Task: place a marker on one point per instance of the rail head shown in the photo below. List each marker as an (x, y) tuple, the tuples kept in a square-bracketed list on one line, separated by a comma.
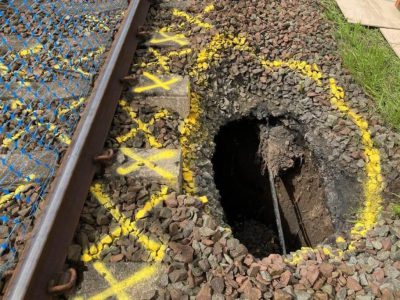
[(45, 253)]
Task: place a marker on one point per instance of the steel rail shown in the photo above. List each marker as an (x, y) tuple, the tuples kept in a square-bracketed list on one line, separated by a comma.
[(45, 253)]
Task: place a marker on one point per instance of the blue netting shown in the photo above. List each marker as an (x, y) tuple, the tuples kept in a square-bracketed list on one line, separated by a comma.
[(50, 53)]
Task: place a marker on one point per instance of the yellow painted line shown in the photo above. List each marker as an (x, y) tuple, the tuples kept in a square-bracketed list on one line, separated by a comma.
[(19, 189), (32, 50), (101, 269), (62, 137), (163, 60), (4, 70), (128, 109), (209, 8), (141, 275), (311, 71), (189, 128), (158, 83), (155, 249), (75, 104), (141, 126), (100, 23), (166, 154), (154, 201), (192, 20), (179, 39), (299, 255), (15, 103), (148, 162), (373, 184)]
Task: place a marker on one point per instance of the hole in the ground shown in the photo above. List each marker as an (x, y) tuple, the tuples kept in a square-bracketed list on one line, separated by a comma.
[(244, 149)]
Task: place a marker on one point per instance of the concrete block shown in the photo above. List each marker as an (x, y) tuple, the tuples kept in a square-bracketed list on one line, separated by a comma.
[(107, 280), (90, 42), (39, 164), (163, 166), (49, 91), (170, 92), (167, 40), (178, 4)]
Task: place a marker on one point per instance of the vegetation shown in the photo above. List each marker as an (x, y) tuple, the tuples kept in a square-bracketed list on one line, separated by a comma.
[(373, 64)]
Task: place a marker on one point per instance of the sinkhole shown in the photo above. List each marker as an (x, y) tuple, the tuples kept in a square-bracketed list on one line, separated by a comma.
[(249, 156)]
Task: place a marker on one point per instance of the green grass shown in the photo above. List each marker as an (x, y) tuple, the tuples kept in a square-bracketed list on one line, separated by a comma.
[(371, 61), (396, 209)]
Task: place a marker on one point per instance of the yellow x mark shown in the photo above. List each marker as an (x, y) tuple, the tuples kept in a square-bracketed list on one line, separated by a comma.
[(179, 39), (117, 288), (148, 162), (158, 83)]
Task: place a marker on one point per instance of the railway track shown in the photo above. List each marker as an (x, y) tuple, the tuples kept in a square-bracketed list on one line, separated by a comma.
[(52, 53), (181, 153)]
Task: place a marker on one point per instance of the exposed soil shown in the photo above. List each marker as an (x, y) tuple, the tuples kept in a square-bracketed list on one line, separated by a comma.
[(245, 149)]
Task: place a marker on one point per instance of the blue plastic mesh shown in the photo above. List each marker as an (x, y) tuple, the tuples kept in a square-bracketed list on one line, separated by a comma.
[(50, 53)]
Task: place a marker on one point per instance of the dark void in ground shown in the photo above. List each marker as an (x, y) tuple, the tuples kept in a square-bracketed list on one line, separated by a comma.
[(244, 151)]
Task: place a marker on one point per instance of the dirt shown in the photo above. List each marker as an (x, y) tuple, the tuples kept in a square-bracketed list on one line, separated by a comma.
[(300, 189), (245, 149)]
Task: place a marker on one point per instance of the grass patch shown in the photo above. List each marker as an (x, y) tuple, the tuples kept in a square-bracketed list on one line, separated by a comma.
[(371, 61), (396, 209)]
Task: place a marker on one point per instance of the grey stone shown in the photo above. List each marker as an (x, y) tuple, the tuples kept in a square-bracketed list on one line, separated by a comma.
[(302, 295)]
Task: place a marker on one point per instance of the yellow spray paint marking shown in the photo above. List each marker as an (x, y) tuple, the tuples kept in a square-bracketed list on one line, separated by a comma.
[(73, 105), (101, 269), (62, 137), (209, 8), (32, 50), (4, 70), (125, 106), (147, 162), (143, 127), (311, 71), (192, 20), (163, 60), (155, 249), (90, 55), (208, 54), (158, 83), (117, 288), (190, 127), (179, 39), (19, 189), (15, 103), (100, 23), (374, 183), (299, 255)]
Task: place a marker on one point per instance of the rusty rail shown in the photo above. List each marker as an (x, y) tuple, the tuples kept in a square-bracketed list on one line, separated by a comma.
[(44, 255)]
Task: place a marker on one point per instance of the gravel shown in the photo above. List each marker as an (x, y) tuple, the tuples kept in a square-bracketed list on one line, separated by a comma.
[(205, 255)]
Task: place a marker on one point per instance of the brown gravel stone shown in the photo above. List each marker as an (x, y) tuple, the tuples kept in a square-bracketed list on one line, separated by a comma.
[(326, 269), (379, 274), (387, 295), (312, 274), (281, 295), (178, 275), (353, 284), (204, 293), (375, 289)]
